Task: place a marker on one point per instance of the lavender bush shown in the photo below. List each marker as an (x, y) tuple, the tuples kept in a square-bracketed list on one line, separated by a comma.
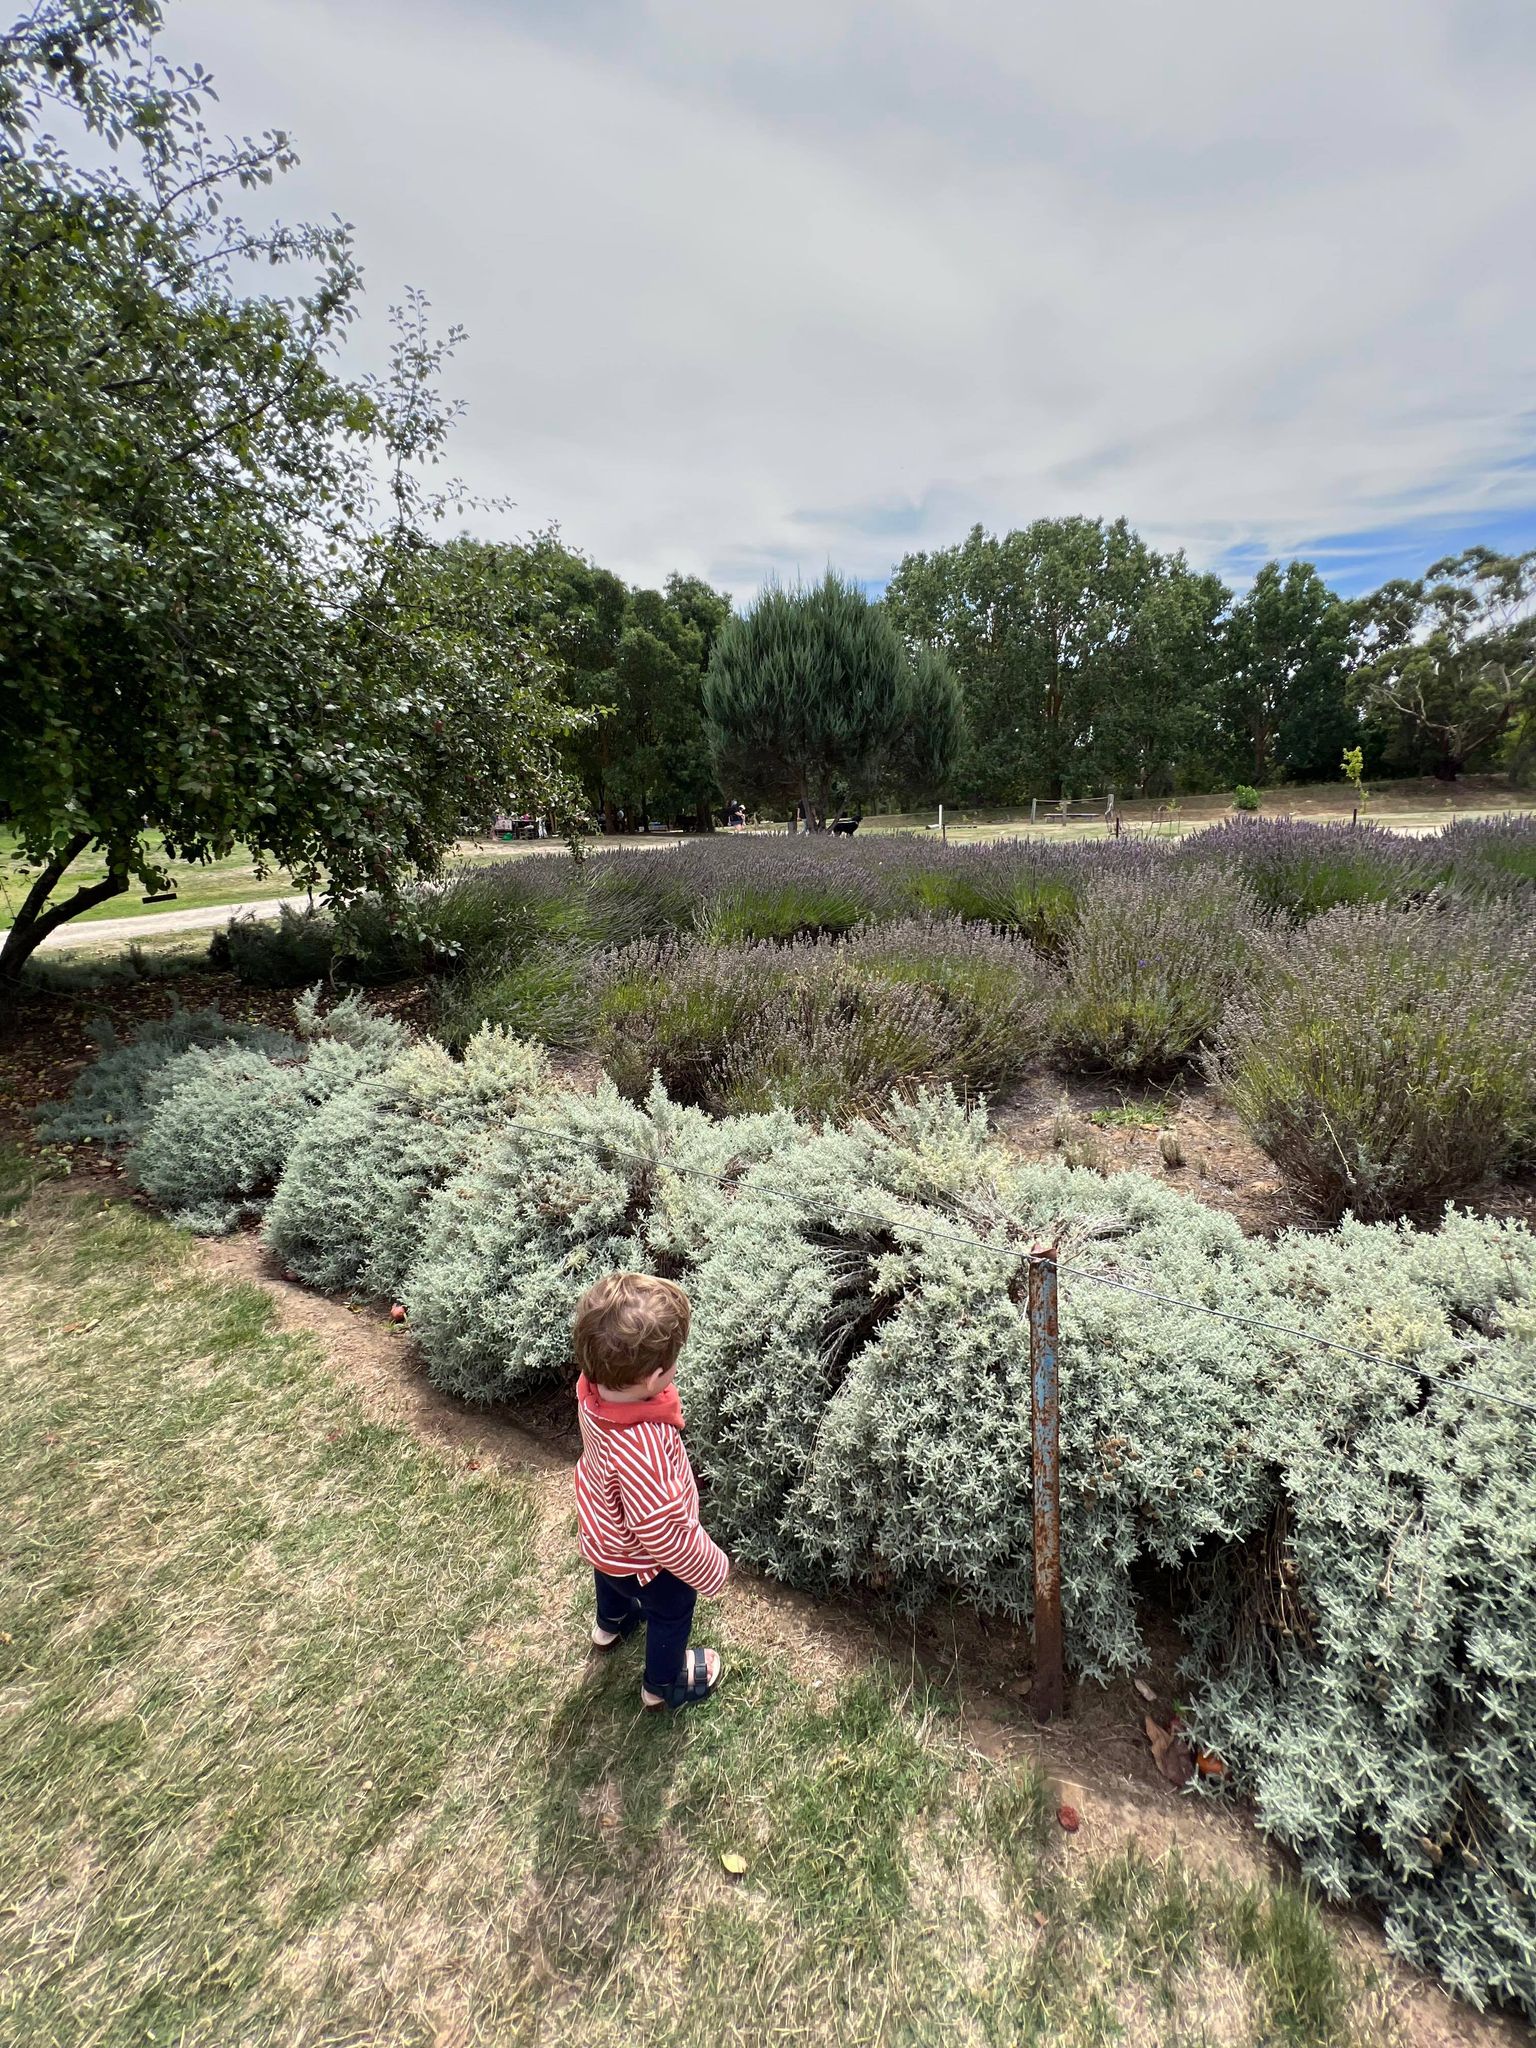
[(822, 1027), (1299, 870), (1386, 1060), (1150, 964), (1489, 856)]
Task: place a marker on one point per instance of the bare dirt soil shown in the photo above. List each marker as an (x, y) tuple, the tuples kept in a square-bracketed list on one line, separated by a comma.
[(1185, 1135)]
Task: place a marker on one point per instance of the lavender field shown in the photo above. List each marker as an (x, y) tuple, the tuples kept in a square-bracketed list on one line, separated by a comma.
[(1365, 1002)]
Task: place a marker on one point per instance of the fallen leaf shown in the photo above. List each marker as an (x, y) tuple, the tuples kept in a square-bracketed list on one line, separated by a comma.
[(1041, 1919), (1170, 1752), (1069, 1818), (734, 1862), (1145, 1690)]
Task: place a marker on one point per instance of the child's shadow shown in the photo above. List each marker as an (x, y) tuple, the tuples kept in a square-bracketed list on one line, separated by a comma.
[(602, 1852)]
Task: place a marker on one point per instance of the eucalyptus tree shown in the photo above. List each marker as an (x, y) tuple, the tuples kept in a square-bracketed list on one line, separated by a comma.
[(1452, 654), (1288, 696), (1073, 643)]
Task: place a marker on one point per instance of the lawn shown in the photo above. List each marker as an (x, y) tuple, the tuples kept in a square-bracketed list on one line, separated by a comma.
[(196, 883), (303, 1747), (201, 884)]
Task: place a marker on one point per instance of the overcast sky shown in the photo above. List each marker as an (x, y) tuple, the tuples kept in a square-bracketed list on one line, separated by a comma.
[(755, 288)]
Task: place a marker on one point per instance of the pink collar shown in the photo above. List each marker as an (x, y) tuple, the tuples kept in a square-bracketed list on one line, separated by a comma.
[(663, 1407)]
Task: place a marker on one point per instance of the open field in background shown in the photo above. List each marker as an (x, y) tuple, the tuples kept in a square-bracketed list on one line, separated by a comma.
[(201, 884), (1416, 806), (303, 1744)]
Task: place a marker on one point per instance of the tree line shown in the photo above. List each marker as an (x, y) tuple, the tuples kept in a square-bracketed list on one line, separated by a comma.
[(1067, 657)]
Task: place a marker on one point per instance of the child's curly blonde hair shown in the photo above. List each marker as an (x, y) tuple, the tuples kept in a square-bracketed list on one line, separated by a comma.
[(629, 1326)]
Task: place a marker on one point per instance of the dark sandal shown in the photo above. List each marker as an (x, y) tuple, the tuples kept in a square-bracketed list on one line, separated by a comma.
[(621, 1635), (694, 1685)]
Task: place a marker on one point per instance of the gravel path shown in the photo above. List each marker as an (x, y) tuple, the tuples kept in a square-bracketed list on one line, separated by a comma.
[(112, 930)]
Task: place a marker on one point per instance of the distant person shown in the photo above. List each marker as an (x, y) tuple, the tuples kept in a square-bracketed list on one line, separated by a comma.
[(637, 1503), (736, 815)]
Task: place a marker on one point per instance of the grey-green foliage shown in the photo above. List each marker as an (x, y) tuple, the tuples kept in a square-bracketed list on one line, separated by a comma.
[(107, 1104), (1371, 1656), (347, 1213), (861, 1390), (1150, 965), (1351, 1540), (1358, 1540), (581, 1186), (222, 1119)]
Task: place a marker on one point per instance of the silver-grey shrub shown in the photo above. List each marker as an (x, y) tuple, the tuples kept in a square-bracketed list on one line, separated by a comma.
[(221, 1120), (1369, 1657), (347, 1212), (582, 1185), (859, 1381), (107, 1105), (1385, 1059), (1149, 966), (1357, 1539)]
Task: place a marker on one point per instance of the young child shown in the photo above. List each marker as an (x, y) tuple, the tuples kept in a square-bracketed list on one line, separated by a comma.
[(637, 1502)]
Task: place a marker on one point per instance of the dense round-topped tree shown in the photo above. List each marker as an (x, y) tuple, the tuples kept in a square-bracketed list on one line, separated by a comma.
[(811, 698)]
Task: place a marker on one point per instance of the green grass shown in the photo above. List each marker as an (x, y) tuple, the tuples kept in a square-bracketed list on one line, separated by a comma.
[(197, 884), (302, 1745), (201, 885), (1130, 1116)]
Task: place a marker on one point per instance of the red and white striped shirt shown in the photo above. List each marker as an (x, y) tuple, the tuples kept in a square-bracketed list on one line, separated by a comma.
[(637, 1501)]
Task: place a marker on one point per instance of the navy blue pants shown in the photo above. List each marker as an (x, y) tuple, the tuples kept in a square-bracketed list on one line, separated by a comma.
[(667, 1605)]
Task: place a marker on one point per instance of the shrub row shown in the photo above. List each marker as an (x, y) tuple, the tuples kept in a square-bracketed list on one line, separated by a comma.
[(1351, 1542), (1385, 1059)]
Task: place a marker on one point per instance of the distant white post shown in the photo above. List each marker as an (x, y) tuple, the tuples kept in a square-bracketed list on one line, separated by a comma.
[(942, 835)]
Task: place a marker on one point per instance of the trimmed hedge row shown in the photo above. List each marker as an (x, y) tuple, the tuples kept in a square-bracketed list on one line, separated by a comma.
[(1351, 1545)]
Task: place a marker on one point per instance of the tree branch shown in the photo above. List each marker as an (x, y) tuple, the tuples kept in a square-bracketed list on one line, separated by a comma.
[(33, 924)]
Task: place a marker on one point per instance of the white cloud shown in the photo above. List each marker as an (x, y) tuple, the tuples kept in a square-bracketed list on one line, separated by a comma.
[(752, 288)]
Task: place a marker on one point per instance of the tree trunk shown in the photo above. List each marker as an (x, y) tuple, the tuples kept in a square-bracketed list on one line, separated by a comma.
[(1447, 768), (34, 922)]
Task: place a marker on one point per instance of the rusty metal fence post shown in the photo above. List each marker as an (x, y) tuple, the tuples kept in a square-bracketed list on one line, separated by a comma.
[(1045, 1418)]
